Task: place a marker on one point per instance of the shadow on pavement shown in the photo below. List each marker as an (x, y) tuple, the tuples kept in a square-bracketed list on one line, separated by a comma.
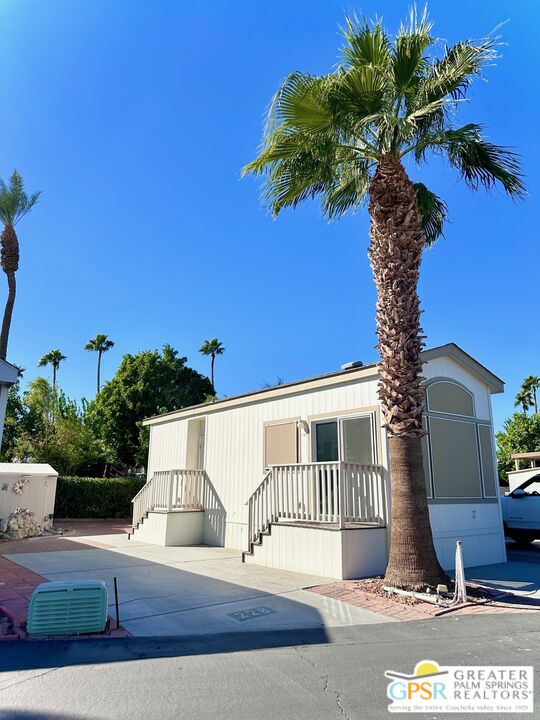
[(42, 654), (36, 715), (513, 576)]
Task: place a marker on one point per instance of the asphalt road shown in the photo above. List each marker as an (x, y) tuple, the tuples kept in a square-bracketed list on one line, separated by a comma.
[(300, 675), (523, 553)]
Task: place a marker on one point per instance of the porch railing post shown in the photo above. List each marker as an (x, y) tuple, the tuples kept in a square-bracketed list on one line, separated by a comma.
[(170, 491), (341, 490)]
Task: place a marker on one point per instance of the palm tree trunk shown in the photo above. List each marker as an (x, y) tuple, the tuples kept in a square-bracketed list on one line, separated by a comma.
[(534, 401), (98, 371), (212, 370), (9, 258), (397, 243), (8, 313), (54, 369)]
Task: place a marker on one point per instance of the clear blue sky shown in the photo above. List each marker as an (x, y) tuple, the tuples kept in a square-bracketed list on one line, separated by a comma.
[(134, 118)]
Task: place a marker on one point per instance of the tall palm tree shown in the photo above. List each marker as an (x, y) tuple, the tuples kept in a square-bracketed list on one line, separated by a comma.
[(54, 358), (351, 137), (212, 347), (531, 385), (99, 344), (14, 204)]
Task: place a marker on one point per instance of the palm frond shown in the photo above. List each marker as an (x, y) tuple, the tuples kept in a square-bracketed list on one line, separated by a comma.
[(14, 202), (409, 62), (294, 180), (453, 73), (362, 90), (483, 164), (365, 45), (301, 103), (349, 189), (434, 212)]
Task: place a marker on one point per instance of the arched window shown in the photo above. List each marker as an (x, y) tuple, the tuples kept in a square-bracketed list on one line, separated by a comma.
[(458, 449), (449, 398)]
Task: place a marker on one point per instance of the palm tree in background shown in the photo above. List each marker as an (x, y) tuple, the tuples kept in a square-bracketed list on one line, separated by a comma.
[(99, 344), (531, 385), (54, 358), (524, 398), (351, 137), (212, 347), (14, 204)]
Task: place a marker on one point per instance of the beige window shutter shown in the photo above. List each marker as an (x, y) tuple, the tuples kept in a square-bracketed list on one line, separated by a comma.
[(280, 444)]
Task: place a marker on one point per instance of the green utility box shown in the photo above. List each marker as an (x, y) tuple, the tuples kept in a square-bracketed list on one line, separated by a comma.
[(68, 607)]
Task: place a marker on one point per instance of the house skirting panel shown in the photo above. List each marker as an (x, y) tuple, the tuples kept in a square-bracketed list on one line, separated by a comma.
[(477, 525), (337, 554), (171, 528)]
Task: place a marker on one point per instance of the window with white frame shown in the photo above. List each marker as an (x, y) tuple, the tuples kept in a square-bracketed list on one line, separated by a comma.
[(458, 447), (349, 439)]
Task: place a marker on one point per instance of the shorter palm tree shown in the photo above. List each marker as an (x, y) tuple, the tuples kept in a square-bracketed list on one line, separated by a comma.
[(54, 358), (524, 398), (531, 385), (99, 344), (212, 347), (14, 204)]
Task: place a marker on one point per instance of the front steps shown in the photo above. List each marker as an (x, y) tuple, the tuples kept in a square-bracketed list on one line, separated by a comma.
[(170, 528), (325, 550)]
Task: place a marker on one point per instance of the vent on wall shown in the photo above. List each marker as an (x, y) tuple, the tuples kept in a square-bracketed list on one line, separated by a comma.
[(68, 607)]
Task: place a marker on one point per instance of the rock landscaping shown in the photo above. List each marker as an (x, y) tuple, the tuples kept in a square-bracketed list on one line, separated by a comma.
[(19, 524)]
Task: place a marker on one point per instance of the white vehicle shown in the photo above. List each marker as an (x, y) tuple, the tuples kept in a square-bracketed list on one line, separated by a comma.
[(521, 511)]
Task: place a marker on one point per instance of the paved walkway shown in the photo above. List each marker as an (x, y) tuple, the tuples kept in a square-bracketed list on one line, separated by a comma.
[(16, 586), (192, 590), (17, 582)]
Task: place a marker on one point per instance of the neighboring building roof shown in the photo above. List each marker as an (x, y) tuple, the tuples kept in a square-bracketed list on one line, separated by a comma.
[(27, 469), (8, 373), (452, 350), (526, 456)]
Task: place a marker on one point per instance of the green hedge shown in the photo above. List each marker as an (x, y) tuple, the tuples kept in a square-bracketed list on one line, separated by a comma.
[(83, 497)]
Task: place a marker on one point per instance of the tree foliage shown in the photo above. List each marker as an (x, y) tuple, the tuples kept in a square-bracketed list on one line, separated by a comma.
[(526, 397), (46, 426), (145, 384), (389, 96), (15, 203), (521, 434)]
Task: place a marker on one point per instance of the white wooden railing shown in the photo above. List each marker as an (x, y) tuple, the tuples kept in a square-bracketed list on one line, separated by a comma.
[(318, 493), (169, 490)]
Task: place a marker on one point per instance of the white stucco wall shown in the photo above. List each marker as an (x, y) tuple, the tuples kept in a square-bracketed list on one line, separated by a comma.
[(38, 494)]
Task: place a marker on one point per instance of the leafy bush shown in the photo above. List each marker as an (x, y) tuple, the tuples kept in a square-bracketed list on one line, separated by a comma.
[(83, 497), (521, 434)]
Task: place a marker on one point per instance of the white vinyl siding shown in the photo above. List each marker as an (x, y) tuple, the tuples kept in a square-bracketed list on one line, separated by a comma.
[(235, 439)]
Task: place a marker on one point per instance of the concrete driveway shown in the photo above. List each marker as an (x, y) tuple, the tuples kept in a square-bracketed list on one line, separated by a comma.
[(520, 575), (185, 591)]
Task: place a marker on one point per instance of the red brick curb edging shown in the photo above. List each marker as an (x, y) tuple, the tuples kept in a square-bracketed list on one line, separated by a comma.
[(350, 591), (17, 584)]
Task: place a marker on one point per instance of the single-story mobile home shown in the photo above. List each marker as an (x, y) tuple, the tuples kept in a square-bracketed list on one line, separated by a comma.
[(296, 476)]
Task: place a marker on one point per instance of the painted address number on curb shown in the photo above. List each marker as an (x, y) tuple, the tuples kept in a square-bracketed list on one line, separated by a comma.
[(242, 615)]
